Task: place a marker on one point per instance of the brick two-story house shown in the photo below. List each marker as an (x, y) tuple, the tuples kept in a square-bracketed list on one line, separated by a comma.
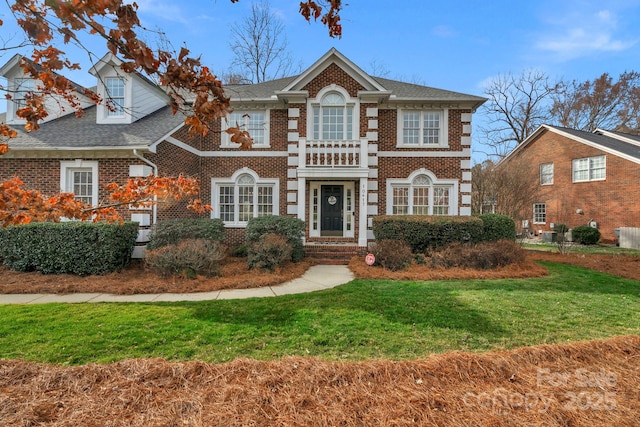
[(584, 178), (333, 146)]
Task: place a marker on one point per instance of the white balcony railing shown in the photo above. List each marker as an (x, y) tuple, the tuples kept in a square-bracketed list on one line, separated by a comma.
[(333, 154)]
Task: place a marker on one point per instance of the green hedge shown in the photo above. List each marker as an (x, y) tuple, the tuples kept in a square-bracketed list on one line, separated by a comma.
[(427, 232), (290, 228), (497, 227), (81, 248), (173, 231), (585, 235)]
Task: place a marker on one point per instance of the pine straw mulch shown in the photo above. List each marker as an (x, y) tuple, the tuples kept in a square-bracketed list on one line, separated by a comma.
[(582, 384), (528, 268), (627, 266), (136, 279)]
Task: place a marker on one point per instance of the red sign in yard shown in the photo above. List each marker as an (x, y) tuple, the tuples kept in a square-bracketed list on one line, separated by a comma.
[(370, 259)]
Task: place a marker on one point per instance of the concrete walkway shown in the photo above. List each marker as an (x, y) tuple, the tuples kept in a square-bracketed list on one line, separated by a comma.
[(316, 278)]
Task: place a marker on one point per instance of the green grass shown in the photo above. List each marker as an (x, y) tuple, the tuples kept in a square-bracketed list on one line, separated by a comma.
[(582, 249), (361, 320)]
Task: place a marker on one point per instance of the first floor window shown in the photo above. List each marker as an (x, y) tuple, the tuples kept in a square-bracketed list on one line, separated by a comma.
[(539, 213), (245, 198), (80, 178), (421, 196)]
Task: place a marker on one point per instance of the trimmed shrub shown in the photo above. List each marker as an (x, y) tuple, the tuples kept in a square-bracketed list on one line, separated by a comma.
[(240, 251), (482, 256), (423, 233), (189, 258), (393, 254), (585, 235), (81, 248), (497, 227), (292, 229), (172, 231), (270, 252)]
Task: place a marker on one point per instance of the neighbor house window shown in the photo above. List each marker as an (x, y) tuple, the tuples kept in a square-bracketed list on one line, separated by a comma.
[(420, 196), (589, 169), (546, 174), (422, 128), (22, 87), (254, 122), (115, 96), (80, 177), (243, 197), (539, 213), (333, 118)]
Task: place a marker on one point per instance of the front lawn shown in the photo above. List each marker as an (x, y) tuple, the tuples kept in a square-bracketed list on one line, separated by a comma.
[(365, 319)]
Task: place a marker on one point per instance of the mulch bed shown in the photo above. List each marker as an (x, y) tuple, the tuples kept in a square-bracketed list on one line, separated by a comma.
[(582, 384)]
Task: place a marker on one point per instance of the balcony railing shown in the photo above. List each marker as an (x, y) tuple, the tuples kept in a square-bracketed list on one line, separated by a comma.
[(333, 154)]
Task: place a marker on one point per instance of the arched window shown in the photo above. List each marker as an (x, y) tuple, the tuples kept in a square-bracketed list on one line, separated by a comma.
[(421, 194), (333, 118), (243, 197)]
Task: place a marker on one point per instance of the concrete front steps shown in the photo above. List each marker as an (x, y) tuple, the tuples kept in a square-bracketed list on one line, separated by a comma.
[(331, 253)]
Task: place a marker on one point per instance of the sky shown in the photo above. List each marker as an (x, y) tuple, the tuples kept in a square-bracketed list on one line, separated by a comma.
[(457, 46)]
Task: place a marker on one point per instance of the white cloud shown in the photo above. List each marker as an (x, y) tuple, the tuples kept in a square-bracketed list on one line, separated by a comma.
[(167, 11), (580, 34)]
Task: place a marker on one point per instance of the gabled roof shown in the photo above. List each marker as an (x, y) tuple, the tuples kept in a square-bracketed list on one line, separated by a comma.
[(615, 143), (391, 90), (70, 132)]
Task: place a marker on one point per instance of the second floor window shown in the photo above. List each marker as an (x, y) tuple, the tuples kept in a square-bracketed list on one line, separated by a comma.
[(333, 118), (115, 96), (253, 122), (589, 169), (421, 128), (546, 174), (23, 86)]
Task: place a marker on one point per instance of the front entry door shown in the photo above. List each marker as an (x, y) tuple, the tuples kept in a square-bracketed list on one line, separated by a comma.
[(331, 210)]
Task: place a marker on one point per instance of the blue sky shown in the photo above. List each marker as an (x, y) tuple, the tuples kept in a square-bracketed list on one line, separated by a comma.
[(450, 45)]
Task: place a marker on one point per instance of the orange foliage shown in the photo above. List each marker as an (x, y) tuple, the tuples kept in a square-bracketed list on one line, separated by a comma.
[(22, 206), (42, 22)]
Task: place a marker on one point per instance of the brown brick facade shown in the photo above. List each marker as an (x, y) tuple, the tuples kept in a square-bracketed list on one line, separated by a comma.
[(612, 203)]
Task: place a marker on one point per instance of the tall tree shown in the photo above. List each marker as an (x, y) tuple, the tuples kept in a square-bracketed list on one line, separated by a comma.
[(599, 103), (259, 45), (517, 105)]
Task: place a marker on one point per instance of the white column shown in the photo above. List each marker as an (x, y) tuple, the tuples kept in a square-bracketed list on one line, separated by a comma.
[(362, 229)]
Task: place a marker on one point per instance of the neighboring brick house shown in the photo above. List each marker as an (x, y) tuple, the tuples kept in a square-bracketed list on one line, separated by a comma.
[(333, 146), (584, 178)]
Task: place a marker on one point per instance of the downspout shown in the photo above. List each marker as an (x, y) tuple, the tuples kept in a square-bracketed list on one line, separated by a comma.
[(154, 208)]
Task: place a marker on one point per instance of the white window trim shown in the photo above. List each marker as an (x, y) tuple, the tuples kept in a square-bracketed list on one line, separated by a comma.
[(103, 112), (216, 183), (443, 137), (552, 173), (349, 102), (534, 213), (435, 182), (573, 166), (225, 139), (67, 166)]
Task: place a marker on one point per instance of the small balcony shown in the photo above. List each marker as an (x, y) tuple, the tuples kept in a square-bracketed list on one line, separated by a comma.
[(343, 154)]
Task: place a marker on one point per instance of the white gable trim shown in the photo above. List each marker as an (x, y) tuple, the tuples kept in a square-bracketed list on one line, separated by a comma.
[(334, 57), (542, 128), (618, 136)]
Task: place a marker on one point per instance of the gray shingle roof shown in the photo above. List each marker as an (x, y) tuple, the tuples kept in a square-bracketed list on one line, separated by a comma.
[(400, 89), (605, 142), (72, 132)]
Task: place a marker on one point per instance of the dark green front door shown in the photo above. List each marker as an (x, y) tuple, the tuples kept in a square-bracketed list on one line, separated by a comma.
[(331, 210)]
